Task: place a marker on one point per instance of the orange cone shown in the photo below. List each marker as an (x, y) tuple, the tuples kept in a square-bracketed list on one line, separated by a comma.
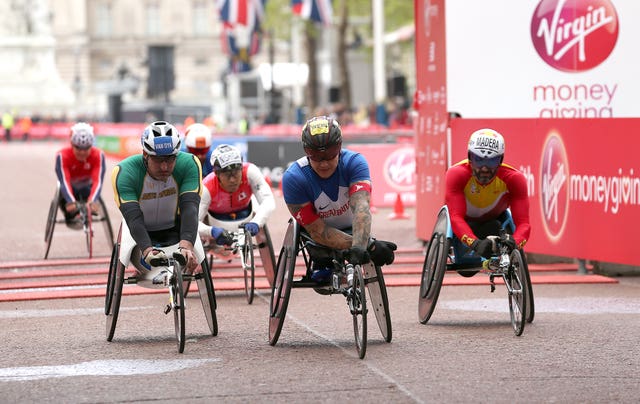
[(398, 210)]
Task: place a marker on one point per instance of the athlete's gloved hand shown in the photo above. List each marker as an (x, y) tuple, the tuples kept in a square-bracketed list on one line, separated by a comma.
[(252, 228), (153, 259), (221, 236), (381, 252), (509, 241), (358, 256), (483, 247)]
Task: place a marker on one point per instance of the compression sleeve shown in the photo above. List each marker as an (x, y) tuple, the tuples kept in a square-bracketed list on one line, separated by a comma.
[(135, 221), (263, 194), (189, 203)]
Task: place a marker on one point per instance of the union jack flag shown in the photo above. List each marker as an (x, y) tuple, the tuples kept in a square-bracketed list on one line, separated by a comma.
[(320, 11), (241, 12)]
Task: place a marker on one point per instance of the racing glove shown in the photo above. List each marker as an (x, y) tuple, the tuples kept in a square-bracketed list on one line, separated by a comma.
[(382, 252), (509, 241), (483, 247), (221, 236), (358, 256), (252, 228), (153, 259)]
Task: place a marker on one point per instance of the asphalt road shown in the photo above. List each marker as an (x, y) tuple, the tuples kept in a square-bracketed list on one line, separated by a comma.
[(581, 347)]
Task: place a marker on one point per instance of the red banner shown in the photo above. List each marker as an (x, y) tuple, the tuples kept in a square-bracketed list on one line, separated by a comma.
[(393, 173), (430, 101), (583, 177)]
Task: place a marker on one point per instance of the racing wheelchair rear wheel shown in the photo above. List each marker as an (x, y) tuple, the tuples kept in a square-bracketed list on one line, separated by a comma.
[(378, 299), (283, 282), (51, 224), (433, 269), (207, 296)]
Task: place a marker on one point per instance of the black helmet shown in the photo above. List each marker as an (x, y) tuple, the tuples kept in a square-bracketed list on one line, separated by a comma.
[(320, 133)]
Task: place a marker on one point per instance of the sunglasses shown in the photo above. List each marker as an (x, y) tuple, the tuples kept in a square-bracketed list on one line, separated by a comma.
[(163, 159), (81, 148), (323, 155), (490, 163), (229, 173)]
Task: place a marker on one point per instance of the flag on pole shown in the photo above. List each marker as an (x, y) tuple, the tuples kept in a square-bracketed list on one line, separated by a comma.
[(320, 11), (241, 12)]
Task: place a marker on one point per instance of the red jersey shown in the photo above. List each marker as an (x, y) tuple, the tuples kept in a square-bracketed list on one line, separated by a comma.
[(224, 202), (75, 174), (467, 200)]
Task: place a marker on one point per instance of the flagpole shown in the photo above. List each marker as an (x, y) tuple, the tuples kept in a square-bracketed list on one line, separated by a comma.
[(379, 75)]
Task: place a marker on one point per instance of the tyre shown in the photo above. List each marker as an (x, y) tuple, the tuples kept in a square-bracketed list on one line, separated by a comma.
[(207, 297), (531, 311), (283, 281), (433, 269), (116, 295), (518, 291), (378, 299), (248, 266), (357, 301)]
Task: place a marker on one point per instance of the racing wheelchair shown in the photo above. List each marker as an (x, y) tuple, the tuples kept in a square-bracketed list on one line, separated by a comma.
[(86, 218), (243, 247), (446, 252), (168, 275), (349, 280)]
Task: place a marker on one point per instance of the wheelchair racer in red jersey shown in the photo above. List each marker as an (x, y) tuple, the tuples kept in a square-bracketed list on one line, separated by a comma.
[(80, 169), (328, 193), (234, 194), (480, 189)]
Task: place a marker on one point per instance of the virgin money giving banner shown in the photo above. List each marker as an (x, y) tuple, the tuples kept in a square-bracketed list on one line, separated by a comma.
[(583, 177), (543, 58)]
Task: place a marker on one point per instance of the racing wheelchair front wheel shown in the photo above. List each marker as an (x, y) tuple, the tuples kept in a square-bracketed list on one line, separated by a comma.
[(433, 269), (518, 286), (357, 300), (177, 305), (283, 282)]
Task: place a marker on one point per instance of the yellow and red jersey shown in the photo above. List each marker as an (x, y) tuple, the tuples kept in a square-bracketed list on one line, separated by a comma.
[(469, 201)]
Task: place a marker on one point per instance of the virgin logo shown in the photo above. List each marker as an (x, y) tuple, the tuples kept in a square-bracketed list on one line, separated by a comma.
[(574, 35), (400, 169), (554, 195)]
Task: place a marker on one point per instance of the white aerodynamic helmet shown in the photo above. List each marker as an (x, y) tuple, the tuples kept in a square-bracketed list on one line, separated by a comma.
[(197, 137), (160, 138), (82, 135), (486, 144), (226, 158)]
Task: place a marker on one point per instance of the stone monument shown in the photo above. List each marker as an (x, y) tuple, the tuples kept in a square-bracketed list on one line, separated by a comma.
[(29, 79)]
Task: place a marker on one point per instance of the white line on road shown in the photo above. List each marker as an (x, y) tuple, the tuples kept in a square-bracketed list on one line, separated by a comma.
[(101, 368)]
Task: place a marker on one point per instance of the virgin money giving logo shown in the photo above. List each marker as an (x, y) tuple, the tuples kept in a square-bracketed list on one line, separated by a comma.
[(554, 195), (400, 169), (574, 35)]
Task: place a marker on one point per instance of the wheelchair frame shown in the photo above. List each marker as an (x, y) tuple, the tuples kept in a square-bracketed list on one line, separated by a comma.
[(87, 222), (446, 253), (367, 277), (175, 285)]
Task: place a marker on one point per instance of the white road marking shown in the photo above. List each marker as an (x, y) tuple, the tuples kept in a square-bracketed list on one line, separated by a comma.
[(101, 368), (572, 305), (34, 313)]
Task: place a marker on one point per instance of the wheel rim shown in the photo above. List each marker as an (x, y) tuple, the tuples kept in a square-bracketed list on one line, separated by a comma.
[(282, 282), (358, 306), (248, 267)]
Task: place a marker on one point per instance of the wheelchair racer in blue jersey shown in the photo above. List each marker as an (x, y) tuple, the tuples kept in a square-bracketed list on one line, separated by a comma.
[(328, 193)]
